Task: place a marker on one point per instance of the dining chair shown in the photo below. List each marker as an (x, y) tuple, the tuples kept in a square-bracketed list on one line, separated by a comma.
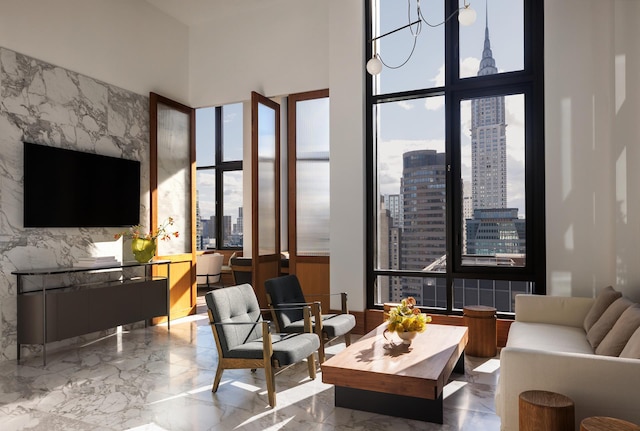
[(209, 270)]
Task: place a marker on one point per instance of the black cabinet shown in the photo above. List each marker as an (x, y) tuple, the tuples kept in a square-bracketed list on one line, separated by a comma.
[(55, 313)]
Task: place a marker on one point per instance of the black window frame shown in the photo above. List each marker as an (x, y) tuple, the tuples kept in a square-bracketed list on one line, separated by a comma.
[(220, 167), (528, 81)]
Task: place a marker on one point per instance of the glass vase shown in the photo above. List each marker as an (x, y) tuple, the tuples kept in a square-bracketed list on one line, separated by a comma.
[(143, 249)]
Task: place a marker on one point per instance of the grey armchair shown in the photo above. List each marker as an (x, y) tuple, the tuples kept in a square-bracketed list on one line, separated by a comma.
[(284, 296), (244, 340)]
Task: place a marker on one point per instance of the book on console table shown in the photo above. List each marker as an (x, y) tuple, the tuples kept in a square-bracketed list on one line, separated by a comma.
[(96, 262)]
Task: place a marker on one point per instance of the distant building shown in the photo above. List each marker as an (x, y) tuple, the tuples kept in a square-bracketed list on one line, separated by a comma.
[(496, 231), (423, 194)]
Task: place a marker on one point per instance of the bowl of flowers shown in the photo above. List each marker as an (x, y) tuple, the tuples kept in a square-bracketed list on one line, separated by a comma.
[(143, 244), (407, 320)]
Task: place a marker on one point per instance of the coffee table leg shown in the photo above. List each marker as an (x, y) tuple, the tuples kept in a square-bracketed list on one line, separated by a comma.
[(390, 404), (459, 368)]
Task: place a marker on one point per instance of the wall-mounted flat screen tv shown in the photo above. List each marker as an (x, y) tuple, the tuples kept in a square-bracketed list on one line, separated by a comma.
[(67, 188)]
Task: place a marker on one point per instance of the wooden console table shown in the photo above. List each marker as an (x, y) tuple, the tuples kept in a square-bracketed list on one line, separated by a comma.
[(52, 314), (375, 375)]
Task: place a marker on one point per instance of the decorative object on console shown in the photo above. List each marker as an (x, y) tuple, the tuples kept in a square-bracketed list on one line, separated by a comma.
[(96, 262), (143, 249), (407, 320), (144, 245)]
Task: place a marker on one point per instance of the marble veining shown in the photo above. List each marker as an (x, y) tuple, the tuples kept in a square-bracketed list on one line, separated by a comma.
[(152, 379), (46, 104)]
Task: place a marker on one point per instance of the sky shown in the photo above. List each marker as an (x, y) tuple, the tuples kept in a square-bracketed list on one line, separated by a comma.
[(419, 123)]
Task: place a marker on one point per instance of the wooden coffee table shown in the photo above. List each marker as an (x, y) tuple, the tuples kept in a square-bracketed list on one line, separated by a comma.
[(384, 376)]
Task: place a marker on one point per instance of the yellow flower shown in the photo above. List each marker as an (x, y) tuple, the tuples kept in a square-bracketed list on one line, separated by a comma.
[(406, 317), (162, 232)]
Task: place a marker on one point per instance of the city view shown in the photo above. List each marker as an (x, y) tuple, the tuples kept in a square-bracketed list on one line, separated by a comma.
[(412, 231), (219, 149)]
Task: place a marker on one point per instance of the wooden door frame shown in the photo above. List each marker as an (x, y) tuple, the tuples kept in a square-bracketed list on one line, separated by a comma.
[(258, 261), (154, 100)]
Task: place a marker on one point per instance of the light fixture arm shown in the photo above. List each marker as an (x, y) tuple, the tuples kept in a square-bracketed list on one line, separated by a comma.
[(374, 65), (393, 31)]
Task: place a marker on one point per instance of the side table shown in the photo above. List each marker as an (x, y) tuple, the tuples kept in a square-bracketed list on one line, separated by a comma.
[(544, 410), (601, 423), (481, 321)]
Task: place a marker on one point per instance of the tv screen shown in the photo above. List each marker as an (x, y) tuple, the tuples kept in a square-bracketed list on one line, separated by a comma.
[(66, 188)]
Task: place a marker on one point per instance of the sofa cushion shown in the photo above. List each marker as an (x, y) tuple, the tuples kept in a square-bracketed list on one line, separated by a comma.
[(619, 335), (605, 298), (632, 348), (603, 325), (548, 338)]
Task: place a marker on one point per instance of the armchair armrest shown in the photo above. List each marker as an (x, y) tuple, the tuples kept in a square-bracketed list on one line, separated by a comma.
[(311, 309), (266, 324), (343, 300)]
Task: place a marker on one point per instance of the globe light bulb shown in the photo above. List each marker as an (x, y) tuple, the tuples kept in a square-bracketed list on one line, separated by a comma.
[(467, 16), (374, 66)]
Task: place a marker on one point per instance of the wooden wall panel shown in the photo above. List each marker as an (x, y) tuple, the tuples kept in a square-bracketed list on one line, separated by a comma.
[(314, 279)]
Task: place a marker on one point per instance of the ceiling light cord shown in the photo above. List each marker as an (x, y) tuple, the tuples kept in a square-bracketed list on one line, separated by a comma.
[(466, 16), (415, 40)]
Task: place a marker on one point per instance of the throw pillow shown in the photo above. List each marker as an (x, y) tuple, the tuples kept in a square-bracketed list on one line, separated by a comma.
[(604, 324), (632, 349), (622, 330), (605, 298)]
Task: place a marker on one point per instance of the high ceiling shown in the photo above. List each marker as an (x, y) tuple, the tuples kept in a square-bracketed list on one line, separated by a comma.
[(193, 12)]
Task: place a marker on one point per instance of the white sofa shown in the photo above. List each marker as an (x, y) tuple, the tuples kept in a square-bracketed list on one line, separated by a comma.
[(547, 349)]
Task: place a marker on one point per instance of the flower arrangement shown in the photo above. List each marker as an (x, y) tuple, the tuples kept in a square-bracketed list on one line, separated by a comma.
[(136, 232), (406, 317)]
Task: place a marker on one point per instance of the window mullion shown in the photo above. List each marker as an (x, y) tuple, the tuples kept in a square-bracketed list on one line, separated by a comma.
[(219, 178)]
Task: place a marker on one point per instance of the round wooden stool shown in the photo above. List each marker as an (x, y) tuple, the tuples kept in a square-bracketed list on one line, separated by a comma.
[(601, 423), (546, 411), (481, 321)]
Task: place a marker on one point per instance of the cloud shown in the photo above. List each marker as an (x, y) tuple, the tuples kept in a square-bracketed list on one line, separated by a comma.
[(469, 67), (436, 103), (406, 105), (390, 160)]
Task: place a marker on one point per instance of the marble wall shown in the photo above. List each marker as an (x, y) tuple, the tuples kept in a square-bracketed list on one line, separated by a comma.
[(46, 104)]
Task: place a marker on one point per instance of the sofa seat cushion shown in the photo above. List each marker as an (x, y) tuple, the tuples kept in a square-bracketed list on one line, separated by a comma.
[(548, 337)]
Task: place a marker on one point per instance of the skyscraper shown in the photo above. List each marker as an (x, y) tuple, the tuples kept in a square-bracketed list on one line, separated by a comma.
[(488, 142), (493, 228), (423, 196)]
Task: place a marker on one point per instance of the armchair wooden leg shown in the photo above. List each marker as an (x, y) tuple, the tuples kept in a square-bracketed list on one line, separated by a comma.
[(271, 382), (347, 338), (311, 364), (216, 380), (321, 356)]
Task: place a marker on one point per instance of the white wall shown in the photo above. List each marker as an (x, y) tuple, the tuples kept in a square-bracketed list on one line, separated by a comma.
[(346, 89), (125, 43), (591, 101), (277, 48)]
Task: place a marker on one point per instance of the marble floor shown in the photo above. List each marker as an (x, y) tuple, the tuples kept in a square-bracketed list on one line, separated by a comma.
[(155, 380)]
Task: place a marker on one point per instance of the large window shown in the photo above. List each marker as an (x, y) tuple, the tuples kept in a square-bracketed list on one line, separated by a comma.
[(456, 154), (219, 142)]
